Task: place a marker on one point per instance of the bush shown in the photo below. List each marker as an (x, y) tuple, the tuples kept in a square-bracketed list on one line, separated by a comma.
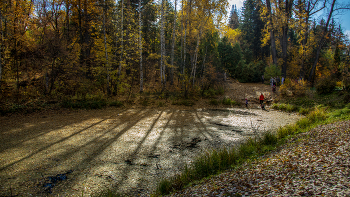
[(291, 108), (326, 85), (184, 102), (145, 102), (292, 87), (316, 115), (248, 148), (211, 92), (116, 104), (84, 104), (282, 132), (228, 101), (250, 72), (271, 71), (161, 104), (213, 102), (303, 111), (164, 187), (269, 139)]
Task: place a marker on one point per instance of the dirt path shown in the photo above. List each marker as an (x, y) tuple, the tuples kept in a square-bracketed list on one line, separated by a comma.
[(130, 150), (240, 91)]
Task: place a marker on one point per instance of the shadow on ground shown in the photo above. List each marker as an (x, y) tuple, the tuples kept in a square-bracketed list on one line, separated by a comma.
[(128, 151)]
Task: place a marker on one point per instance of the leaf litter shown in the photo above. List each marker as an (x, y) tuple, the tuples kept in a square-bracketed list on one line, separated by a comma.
[(315, 163)]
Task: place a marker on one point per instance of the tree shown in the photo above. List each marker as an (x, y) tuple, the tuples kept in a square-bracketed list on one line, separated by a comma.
[(321, 42), (140, 44), (162, 48), (234, 18), (251, 28), (272, 33), (1, 41)]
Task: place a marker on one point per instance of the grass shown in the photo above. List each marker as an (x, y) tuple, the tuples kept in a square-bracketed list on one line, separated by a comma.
[(228, 101), (183, 102), (304, 105), (216, 161), (214, 102), (211, 92)]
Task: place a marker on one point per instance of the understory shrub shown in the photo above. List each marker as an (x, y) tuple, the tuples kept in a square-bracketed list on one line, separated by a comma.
[(184, 102), (271, 71), (285, 107), (84, 104), (325, 85), (116, 103), (211, 92), (228, 101), (318, 114), (214, 102), (291, 87)]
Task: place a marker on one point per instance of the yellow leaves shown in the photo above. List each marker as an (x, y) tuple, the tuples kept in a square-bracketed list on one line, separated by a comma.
[(233, 35)]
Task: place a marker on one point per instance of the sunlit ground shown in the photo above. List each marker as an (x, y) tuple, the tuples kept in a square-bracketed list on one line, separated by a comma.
[(122, 150)]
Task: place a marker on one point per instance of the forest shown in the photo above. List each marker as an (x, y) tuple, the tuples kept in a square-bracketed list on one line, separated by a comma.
[(57, 50)]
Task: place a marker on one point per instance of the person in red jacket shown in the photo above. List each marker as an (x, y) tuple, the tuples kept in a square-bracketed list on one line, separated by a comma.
[(261, 98)]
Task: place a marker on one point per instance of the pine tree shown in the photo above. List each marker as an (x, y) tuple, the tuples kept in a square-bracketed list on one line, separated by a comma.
[(234, 18), (251, 27)]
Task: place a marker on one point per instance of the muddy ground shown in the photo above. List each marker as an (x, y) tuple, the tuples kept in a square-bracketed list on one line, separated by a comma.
[(75, 153)]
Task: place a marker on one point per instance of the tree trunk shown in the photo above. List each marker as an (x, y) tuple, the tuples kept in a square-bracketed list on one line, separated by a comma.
[(284, 49), (203, 66), (173, 48), (184, 48), (121, 46), (162, 48), (182, 35), (272, 34), (105, 44), (285, 29), (320, 45), (140, 42), (67, 20), (1, 46), (194, 62)]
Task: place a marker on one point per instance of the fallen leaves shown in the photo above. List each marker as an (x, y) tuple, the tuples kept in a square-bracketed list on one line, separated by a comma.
[(316, 164)]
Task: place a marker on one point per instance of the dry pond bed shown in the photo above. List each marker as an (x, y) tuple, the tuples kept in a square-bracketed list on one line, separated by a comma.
[(75, 153)]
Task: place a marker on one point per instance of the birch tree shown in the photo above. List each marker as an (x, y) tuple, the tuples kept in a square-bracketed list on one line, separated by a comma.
[(105, 46), (122, 43), (140, 44), (1, 41), (173, 46), (162, 47)]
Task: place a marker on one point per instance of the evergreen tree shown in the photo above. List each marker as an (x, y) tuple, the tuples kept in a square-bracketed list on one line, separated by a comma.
[(234, 18), (229, 56), (251, 27)]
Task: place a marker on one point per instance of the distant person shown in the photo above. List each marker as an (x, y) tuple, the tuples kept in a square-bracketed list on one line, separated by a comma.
[(271, 82), (246, 103), (274, 88), (261, 98), (278, 81), (282, 80)]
